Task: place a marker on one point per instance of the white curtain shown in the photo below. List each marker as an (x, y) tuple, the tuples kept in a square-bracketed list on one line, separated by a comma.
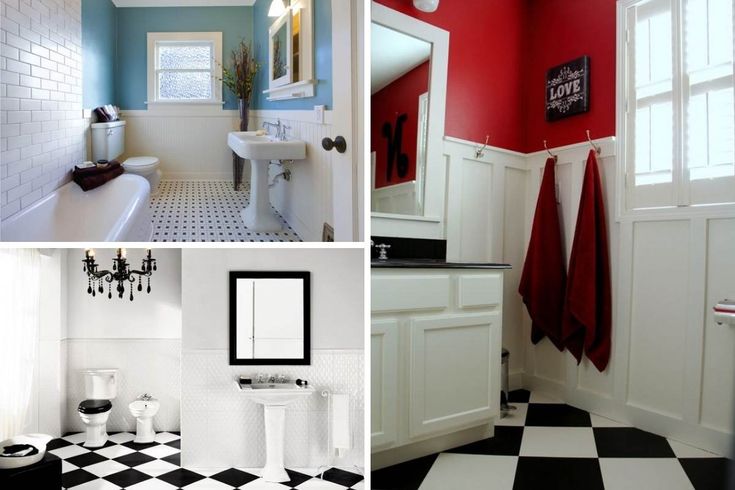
[(20, 314)]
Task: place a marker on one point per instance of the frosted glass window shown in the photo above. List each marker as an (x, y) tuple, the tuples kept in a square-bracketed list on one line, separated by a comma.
[(185, 71)]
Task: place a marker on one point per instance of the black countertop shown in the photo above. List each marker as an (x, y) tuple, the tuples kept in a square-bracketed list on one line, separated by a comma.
[(432, 264)]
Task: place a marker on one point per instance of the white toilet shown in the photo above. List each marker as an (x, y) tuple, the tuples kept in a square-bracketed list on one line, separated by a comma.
[(100, 386), (144, 409), (108, 143)]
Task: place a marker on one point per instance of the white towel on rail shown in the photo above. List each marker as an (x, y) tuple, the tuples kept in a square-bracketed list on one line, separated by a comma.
[(341, 433)]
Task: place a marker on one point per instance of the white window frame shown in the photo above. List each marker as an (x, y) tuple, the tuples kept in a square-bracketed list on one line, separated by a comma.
[(677, 193), (155, 39)]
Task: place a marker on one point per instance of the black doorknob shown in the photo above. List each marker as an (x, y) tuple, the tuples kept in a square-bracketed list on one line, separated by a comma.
[(339, 143)]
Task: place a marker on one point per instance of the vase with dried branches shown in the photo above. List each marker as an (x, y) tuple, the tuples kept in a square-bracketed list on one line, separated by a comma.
[(239, 78)]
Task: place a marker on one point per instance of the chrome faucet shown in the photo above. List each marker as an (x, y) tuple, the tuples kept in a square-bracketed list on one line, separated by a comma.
[(382, 251), (280, 129), (145, 397)]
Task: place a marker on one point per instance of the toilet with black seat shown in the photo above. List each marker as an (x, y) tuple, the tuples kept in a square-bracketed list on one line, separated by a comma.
[(100, 386)]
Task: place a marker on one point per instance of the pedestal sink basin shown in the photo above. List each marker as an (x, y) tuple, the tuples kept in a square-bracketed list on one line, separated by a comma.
[(274, 397), (260, 150)]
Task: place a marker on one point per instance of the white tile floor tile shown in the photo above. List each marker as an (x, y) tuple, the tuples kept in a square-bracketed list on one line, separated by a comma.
[(151, 484), (319, 485), (600, 421), (113, 452), (69, 451), (455, 471), (206, 211), (98, 485), (105, 468), (121, 437), (538, 397), (263, 485), (208, 484), (160, 451), (685, 451), (76, 438), (164, 437), (559, 442), (156, 467), (649, 473), (67, 466)]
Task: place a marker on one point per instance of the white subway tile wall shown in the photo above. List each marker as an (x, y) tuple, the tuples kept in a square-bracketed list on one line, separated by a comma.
[(42, 135), (223, 429)]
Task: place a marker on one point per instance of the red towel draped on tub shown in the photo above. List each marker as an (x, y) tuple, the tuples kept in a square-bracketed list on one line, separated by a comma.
[(588, 304), (544, 272)]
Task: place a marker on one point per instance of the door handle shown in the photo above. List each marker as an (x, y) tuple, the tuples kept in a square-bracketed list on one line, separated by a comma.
[(339, 143)]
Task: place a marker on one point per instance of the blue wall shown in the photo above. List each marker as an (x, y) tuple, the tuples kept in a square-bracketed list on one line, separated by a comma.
[(235, 23), (322, 58), (99, 35)]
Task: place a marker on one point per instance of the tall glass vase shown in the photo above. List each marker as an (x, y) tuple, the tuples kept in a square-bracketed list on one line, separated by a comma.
[(244, 114)]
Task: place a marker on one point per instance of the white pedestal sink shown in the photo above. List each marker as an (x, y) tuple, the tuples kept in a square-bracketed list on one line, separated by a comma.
[(274, 397), (260, 150)]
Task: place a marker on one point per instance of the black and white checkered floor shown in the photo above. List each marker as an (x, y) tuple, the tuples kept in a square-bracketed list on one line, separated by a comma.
[(207, 211), (548, 445), (157, 466)]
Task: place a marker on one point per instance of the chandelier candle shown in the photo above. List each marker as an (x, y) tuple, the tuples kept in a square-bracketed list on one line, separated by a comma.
[(121, 273)]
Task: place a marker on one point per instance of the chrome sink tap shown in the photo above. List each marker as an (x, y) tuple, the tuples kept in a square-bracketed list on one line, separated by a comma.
[(280, 129), (145, 397)]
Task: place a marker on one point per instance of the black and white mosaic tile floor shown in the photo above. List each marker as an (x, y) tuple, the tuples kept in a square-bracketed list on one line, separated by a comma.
[(548, 445), (157, 466), (206, 211)]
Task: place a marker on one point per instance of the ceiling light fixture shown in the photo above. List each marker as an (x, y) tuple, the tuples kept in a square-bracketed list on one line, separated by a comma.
[(121, 273), (426, 5), (278, 8)]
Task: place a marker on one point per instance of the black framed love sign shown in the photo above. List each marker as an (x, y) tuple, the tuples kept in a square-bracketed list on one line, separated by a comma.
[(568, 89)]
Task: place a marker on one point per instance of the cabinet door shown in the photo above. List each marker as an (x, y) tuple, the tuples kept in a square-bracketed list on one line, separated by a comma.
[(383, 383), (454, 371)]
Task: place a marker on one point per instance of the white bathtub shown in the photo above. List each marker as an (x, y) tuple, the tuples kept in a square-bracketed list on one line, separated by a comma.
[(118, 211)]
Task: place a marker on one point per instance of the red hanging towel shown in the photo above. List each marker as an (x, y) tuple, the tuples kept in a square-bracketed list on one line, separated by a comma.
[(588, 304), (544, 272)]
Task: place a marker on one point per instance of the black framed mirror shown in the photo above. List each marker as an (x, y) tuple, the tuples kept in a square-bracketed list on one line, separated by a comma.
[(270, 318)]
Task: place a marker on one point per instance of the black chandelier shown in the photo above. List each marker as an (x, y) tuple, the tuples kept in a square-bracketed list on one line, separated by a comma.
[(120, 273)]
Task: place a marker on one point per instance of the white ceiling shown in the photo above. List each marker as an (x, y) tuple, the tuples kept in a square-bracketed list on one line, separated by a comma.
[(183, 3), (393, 54)]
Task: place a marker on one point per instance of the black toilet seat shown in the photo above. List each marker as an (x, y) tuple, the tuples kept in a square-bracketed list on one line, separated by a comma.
[(94, 406)]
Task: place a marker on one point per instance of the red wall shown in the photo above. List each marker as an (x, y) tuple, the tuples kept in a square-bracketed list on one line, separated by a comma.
[(400, 97), (499, 51), (484, 89), (560, 31)]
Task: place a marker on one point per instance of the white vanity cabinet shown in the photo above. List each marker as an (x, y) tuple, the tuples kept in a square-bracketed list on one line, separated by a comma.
[(435, 351)]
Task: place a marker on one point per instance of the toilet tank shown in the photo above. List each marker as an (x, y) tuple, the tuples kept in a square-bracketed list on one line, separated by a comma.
[(108, 140), (100, 384)]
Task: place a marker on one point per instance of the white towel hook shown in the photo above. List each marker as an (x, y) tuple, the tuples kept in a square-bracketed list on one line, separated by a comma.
[(595, 147), (549, 152)]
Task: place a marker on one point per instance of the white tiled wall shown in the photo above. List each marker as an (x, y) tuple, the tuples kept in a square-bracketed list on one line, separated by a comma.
[(146, 366), (41, 90), (221, 428)]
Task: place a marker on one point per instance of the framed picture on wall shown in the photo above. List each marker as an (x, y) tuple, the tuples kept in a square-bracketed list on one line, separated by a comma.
[(568, 89)]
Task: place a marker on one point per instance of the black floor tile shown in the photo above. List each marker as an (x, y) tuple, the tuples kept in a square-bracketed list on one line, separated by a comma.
[(139, 447), (629, 442), (507, 442), (76, 477), (558, 474), (127, 478), (173, 459), (175, 444), (519, 396), (708, 473), (86, 459), (404, 476), (342, 477), (56, 444), (556, 415), (181, 477), (107, 444), (234, 477), (135, 459), (296, 478)]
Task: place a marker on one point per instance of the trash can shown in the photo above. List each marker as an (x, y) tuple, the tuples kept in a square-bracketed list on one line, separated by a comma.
[(504, 390)]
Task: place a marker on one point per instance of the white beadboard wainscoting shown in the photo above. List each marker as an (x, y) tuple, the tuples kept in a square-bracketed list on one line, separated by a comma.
[(192, 145), (221, 428), (672, 369), (145, 366)]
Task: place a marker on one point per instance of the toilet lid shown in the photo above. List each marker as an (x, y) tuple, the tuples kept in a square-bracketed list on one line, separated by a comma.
[(140, 162), (94, 406)]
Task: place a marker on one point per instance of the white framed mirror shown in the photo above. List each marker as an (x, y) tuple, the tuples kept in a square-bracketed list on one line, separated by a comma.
[(269, 318), (408, 105), (291, 53)]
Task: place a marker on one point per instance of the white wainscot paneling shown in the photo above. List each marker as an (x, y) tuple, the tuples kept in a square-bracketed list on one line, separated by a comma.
[(189, 147), (718, 371), (306, 200), (384, 383), (145, 366), (222, 429), (659, 316)]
